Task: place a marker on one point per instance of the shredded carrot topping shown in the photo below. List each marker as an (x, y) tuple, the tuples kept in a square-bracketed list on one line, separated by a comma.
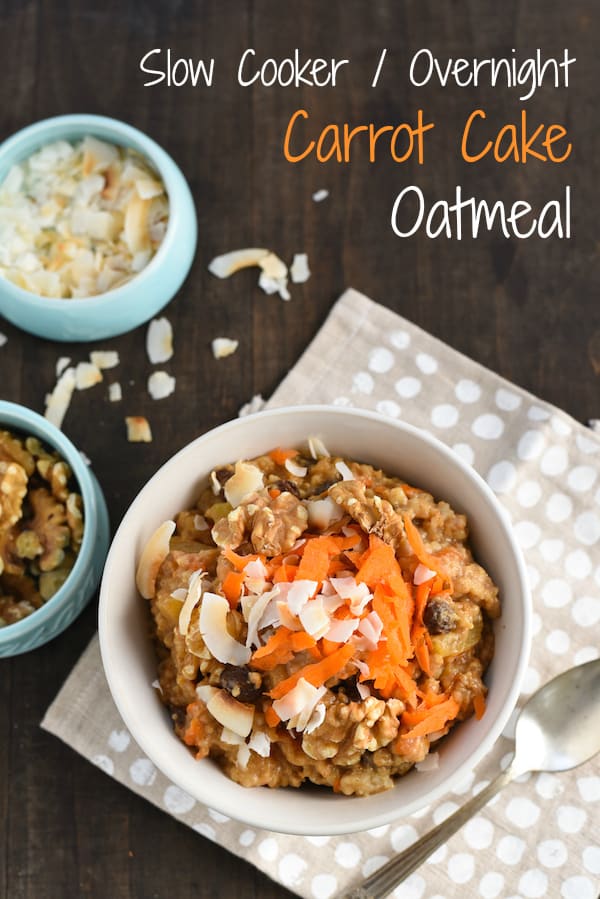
[(316, 674), (280, 456)]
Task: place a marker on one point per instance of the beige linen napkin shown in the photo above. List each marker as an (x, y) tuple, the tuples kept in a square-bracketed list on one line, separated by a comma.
[(539, 837)]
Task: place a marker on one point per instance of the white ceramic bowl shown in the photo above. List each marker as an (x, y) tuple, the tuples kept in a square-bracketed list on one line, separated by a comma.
[(128, 653)]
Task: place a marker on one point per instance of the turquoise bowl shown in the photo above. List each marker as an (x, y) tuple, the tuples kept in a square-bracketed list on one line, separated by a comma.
[(69, 601), (126, 307)]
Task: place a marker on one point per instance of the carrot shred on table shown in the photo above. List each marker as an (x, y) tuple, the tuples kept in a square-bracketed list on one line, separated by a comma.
[(316, 674), (271, 716), (280, 455), (479, 705), (232, 587)]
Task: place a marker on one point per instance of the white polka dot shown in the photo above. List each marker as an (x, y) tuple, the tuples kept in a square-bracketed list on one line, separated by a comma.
[(461, 867), (559, 507), (438, 856), (378, 832), (531, 681), (528, 494), (560, 426), (533, 576), (552, 853), (558, 642), (443, 811), (380, 360), (412, 888), (426, 363), (536, 413), (582, 478), (578, 564), (570, 819), (530, 445), (587, 445), (119, 740), (268, 849), (552, 550), (502, 477), (527, 534), (400, 339), (444, 415), (589, 788), (554, 461), (323, 886), (507, 400), (587, 528), (318, 840), (205, 830), (479, 833), (421, 812), (522, 812), (408, 387), (389, 408), (586, 654), (177, 801), (342, 401), (465, 784), (465, 452), (533, 883), (536, 624), (510, 850), (508, 730), (488, 426), (467, 391), (557, 593), (491, 885), (247, 837), (591, 859), (373, 863), (218, 817), (348, 855), (103, 762), (362, 382), (142, 772), (291, 869), (586, 611), (402, 837), (578, 887), (548, 786)]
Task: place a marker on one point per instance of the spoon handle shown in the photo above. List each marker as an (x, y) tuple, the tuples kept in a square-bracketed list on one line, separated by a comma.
[(383, 881)]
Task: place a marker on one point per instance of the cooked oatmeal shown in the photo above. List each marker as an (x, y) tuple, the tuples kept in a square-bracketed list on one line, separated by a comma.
[(317, 620), (41, 525)]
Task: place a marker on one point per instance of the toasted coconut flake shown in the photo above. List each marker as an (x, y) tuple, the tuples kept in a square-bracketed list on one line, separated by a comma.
[(299, 270), (298, 471), (223, 347), (153, 555), (340, 631), (192, 599), (138, 429), (358, 594), (331, 602), (322, 513), (160, 385), (104, 358), (97, 155), (344, 471), (4, 339), (362, 667), (422, 574), (61, 363), (237, 716), (314, 618), (363, 691), (85, 457), (254, 405), (316, 719), (243, 757), (215, 484), (287, 619), (205, 692), (255, 569), (320, 195), (136, 227), (299, 593), (213, 627), (228, 263), (300, 697), (200, 523), (231, 738), (273, 266), (271, 616), (317, 448), (180, 594), (371, 627), (246, 479), (58, 401), (87, 375), (159, 340), (274, 285), (260, 743), (148, 188), (115, 394), (431, 762), (256, 613)]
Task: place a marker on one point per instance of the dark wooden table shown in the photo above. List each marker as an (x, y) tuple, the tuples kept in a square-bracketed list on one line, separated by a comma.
[(528, 309)]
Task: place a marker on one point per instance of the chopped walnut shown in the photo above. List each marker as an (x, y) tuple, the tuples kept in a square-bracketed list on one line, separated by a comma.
[(13, 488), (271, 525), (74, 506), (12, 450), (50, 524)]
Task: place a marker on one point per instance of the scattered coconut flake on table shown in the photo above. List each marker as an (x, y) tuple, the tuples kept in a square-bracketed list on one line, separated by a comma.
[(61, 363), (254, 405), (224, 346), (159, 340), (273, 276), (104, 358), (299, 269), (320, 195), (115, 394), (594, 424), (58, 401), (160, 385), (138, 429), (3, 339), (87, 375), (85, 457)]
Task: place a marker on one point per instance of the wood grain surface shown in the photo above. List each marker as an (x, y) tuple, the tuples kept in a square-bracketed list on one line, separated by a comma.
[(528, 309)]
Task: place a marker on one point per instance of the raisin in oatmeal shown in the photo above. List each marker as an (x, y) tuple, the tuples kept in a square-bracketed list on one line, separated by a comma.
[(317, 620)]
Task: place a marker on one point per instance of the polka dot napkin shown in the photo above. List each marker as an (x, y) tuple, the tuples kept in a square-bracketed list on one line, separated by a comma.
[(541, 836)]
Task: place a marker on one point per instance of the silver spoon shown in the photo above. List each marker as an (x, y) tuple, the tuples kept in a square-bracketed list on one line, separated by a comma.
[(558, 729)]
